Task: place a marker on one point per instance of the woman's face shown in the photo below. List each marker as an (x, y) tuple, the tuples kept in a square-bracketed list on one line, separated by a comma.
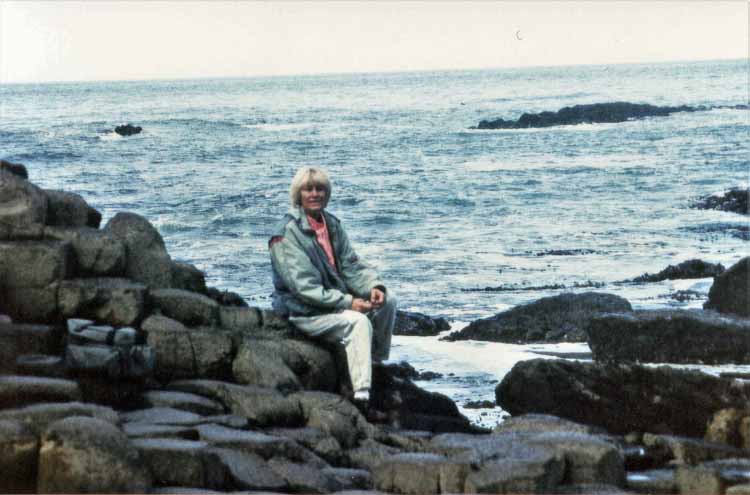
[(313, 198)]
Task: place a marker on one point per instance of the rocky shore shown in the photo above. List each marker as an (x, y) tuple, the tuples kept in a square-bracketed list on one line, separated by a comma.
[(122, 372)]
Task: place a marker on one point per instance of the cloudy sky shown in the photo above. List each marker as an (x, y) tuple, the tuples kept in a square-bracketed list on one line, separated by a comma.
[(102, 40)]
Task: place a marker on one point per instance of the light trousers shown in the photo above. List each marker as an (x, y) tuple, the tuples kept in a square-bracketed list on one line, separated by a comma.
[(364, 337)]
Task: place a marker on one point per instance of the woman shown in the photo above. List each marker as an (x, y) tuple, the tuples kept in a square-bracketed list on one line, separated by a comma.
[(323, 287)]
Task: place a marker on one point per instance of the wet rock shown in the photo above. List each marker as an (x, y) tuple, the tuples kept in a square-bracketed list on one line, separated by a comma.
[(420, 473), (685, 450), (19, 451), (149, 430), (541, 423), (304, 478), (115, 301), (247, 471), (611, 112), (413, 407), (286, 365), (712, 478), (97, 252), (187, 277), (23, 207), (262, 406), (730, 292), (657, 400), (654, 481), (128, 129), (88, 455), (66, 209), (693, 268), (38, 416), (34, 264), (412, 323), (551, 319), (181, 462), (18, 391), (17, 339), (734, 200), (184, 401), (186, 307), (670, 336), (14, 168), (147, 259), (479, 404)]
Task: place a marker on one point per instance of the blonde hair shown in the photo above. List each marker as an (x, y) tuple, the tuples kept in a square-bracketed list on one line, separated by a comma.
[(305, 176)]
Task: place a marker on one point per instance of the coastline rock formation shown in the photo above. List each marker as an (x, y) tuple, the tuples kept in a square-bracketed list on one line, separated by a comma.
[(730, 292), (734, 200), (670, 336), (561, 318), (693, 268), (620, 398), (611, 112), (418, 324), (128, 129)]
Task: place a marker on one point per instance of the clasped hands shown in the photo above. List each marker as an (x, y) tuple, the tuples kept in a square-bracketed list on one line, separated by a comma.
[(377, 298)]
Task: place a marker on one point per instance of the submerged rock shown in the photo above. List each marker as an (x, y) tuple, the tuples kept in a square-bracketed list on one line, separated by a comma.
[(552, 319), (734, 200), (411, 323), (619, 111), (670, 336), (620, 398), (128, 129), (694, 268)]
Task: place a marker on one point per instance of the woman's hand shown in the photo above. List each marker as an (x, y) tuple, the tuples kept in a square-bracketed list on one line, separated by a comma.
[(361, 305), (377, 298)]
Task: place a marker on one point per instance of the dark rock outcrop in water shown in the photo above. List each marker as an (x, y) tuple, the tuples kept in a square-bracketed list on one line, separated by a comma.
[(551, 319), (730, 292), (670, 336), (734, 200), (128, 129), (613, 112), (620, 398), (418, 324), (694, 268)]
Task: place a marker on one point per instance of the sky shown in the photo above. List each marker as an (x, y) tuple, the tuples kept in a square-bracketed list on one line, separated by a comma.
[(124, 40)]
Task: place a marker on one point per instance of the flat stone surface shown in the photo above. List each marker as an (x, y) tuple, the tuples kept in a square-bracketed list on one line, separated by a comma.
[(248, 471), (247, 441), (304, 478), (38, 416), (350, 479), (43, 365), (184, 401), (17, 339), (687, 450), (538, 423), (150, 430), (420, 473), (186, 307), (652, 481), (161, 416), (18, 391)]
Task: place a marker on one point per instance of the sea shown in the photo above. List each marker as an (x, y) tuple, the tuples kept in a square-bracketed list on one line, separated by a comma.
[(442, 210)]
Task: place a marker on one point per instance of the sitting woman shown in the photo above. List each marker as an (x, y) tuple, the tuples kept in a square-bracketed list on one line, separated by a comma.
[(323, 287)]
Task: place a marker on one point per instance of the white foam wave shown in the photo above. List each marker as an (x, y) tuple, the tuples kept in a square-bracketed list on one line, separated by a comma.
[(490, 164), (110, 136), (279, 127)]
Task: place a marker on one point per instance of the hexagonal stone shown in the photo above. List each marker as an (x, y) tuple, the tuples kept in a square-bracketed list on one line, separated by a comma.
[(18, 391), (181, 462), (248, 441), (19, 450), (88, 455), (161, 416), (181, 400), (420, 473), (22, 205), (67, 209), (248, 471), (148, 261), (32, 305), (17, 339), (97, 252), (187, 307), (242, 319), (115, 301), (34, 264), (150, 430)]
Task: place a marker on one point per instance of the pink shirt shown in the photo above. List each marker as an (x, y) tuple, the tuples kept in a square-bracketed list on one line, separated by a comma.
[(321, 233)]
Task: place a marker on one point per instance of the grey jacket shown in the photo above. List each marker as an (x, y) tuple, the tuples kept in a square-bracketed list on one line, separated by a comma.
[(305, 283)]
